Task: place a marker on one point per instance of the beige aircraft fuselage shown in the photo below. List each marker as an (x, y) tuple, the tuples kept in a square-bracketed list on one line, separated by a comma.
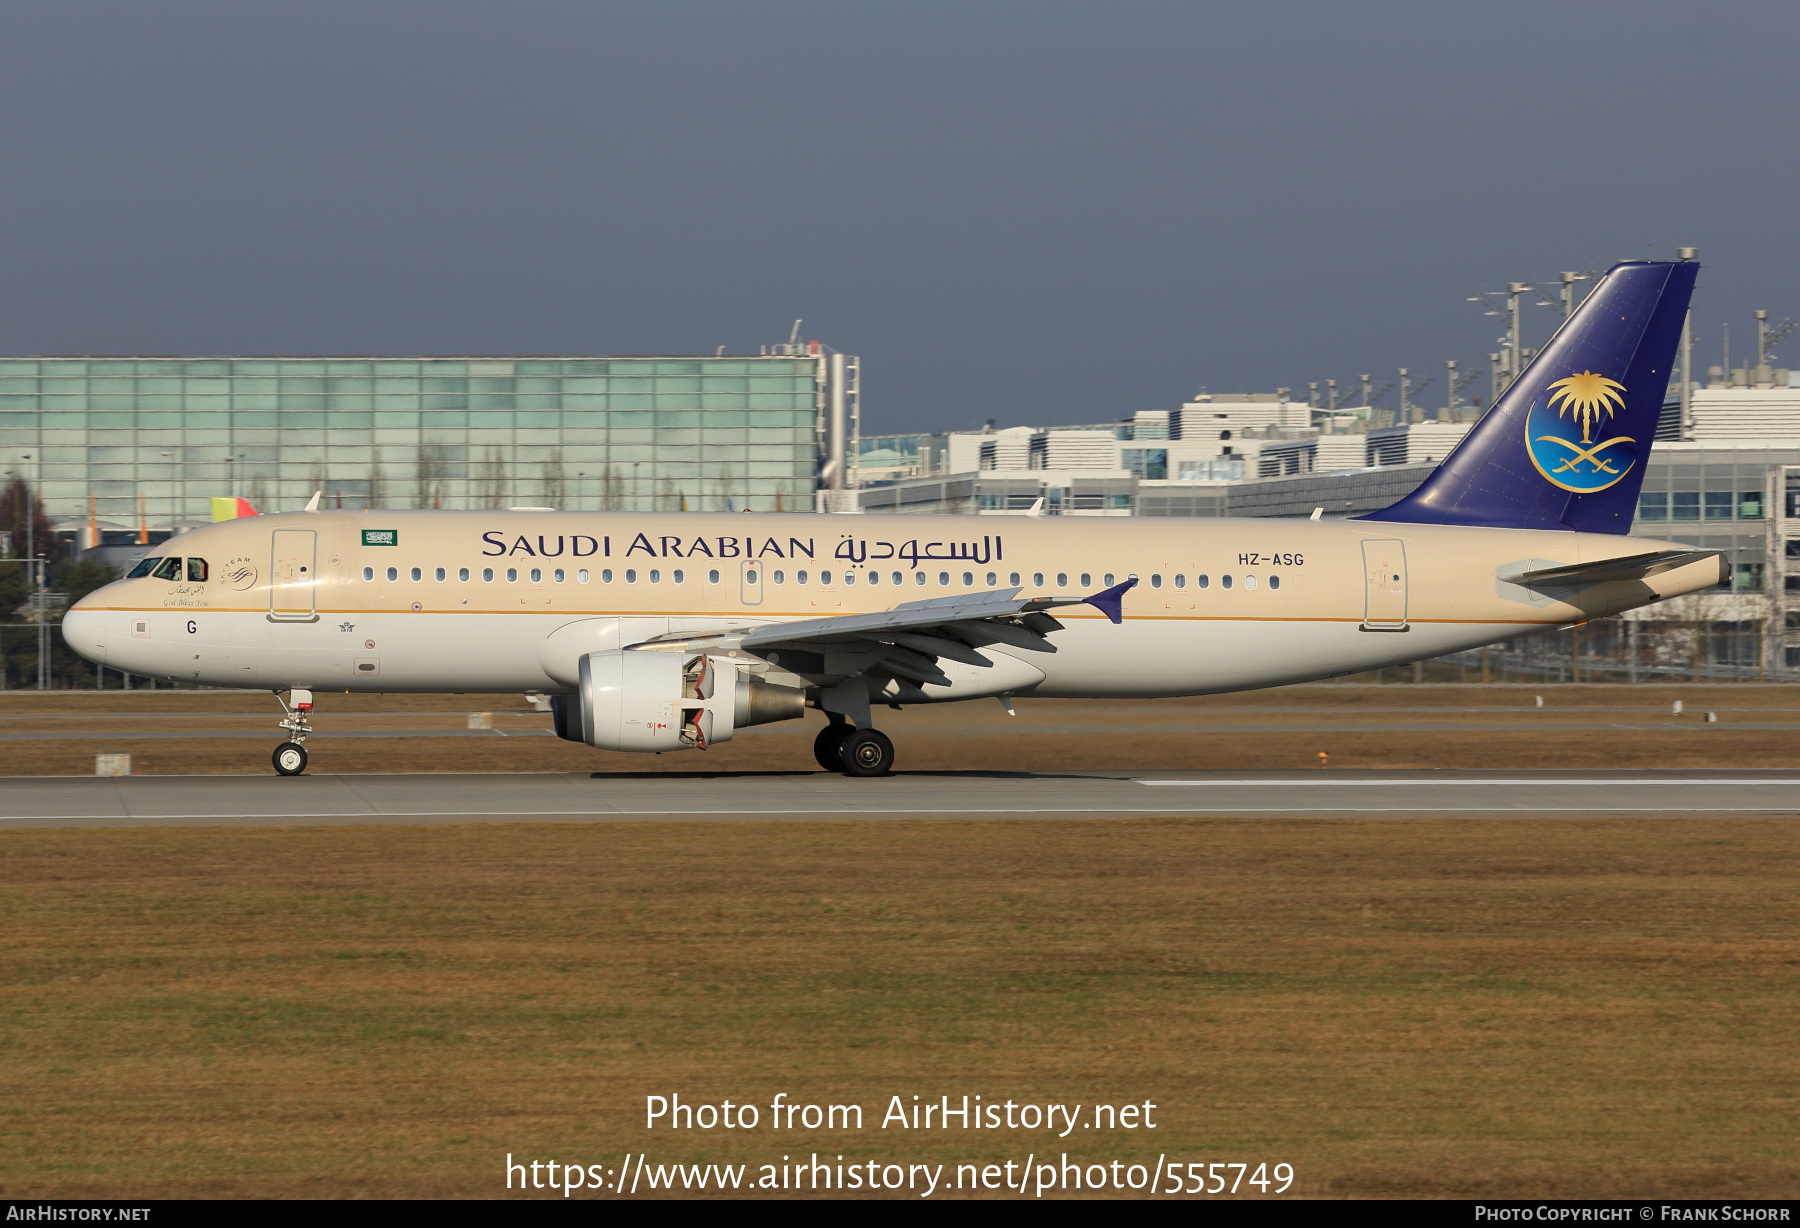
[(510, 600)]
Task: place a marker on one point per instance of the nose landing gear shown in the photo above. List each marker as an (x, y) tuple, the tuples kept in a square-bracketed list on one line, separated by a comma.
[(290, 756)]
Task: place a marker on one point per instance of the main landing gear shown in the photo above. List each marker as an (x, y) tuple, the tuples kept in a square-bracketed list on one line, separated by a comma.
[(854, 752), (290, 756)]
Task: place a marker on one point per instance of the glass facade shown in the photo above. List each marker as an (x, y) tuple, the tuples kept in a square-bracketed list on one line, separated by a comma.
[(709, 434)]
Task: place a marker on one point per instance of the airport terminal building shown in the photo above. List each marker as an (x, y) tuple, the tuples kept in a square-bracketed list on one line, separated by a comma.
[(150, 440)]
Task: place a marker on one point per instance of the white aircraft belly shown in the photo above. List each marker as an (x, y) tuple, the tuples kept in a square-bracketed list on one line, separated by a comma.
[(1167, 657)]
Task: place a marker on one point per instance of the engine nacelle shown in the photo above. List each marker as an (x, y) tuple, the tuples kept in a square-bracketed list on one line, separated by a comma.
[(661, 701)]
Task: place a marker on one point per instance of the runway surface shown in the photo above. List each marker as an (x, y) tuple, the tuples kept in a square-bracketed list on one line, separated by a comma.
[(244, 801)]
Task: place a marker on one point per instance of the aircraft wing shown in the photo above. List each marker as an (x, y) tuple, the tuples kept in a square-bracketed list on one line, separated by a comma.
[(908, 639), (1632, 567)]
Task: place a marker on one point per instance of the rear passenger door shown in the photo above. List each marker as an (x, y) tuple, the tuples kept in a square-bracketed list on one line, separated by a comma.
[(1384, 584)]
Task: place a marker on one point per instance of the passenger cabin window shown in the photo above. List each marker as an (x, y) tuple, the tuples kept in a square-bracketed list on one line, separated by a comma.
[(581, 575), (559, 575), (144, 568), (1086, 580), (897, 578), (487, 575), (393, 574), (1274, 582), (849, 577), (678, 575), (1155, 581), (462, 573), (918, 577), (417, 575), (1224, 581), (368, 573), (537, 575), (1037, 579), (1107, 580), (606, 575), (1202, 581), (168, 569), (1180, 581), (799, 577), (440, 573), (712, 577), (780, 577), (197, 571), (1062, 579)]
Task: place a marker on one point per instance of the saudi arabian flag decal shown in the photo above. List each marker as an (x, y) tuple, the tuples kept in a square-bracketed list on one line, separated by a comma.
[(1562, 443), (381, 537)]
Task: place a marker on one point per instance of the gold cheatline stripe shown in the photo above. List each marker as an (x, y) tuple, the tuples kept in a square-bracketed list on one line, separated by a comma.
[(811, 614)]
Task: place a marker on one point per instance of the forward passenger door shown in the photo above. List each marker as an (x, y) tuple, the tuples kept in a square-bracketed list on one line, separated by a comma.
[(293, 574)]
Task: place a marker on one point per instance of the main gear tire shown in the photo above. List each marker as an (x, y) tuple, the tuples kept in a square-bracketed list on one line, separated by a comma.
[(867, 752), (290, 759), (828, 747)]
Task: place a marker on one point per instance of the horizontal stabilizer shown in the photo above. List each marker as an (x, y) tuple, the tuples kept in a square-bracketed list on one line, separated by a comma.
[(1631, 567)]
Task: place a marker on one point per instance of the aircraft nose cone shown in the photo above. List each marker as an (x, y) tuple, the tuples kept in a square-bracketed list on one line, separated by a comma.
[(84, 631)]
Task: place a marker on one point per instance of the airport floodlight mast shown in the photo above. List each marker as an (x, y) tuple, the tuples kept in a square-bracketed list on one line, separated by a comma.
[(1767, 338), (1457, 385)]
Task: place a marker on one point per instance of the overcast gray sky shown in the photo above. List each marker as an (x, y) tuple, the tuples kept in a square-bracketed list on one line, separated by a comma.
[(1037, 212)]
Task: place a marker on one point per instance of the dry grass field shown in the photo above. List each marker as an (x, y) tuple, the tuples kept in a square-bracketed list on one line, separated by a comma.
[(1395, 1008), (1416, 1007)]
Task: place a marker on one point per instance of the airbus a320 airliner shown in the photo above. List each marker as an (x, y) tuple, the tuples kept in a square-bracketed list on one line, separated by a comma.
[(664, 632)]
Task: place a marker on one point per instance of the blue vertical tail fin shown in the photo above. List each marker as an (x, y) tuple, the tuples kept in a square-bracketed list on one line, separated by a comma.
[(1564, 447)]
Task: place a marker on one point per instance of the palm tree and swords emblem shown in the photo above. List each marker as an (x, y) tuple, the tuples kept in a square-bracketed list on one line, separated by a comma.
[(1587, 399)]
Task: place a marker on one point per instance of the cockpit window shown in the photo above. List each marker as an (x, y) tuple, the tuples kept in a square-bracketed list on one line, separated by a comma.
[(168, 569), (197, 570), (143, 568)]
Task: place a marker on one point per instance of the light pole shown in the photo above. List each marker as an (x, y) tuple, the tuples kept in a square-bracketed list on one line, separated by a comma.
[(1568, 293), (1516, 362), (634, 485), (1450, 388)]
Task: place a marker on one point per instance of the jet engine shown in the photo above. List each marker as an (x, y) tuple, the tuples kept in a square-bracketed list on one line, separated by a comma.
[(659, 701)]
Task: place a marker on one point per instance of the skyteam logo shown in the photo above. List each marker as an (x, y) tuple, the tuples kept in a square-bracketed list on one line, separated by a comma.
[(1562, 444)]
